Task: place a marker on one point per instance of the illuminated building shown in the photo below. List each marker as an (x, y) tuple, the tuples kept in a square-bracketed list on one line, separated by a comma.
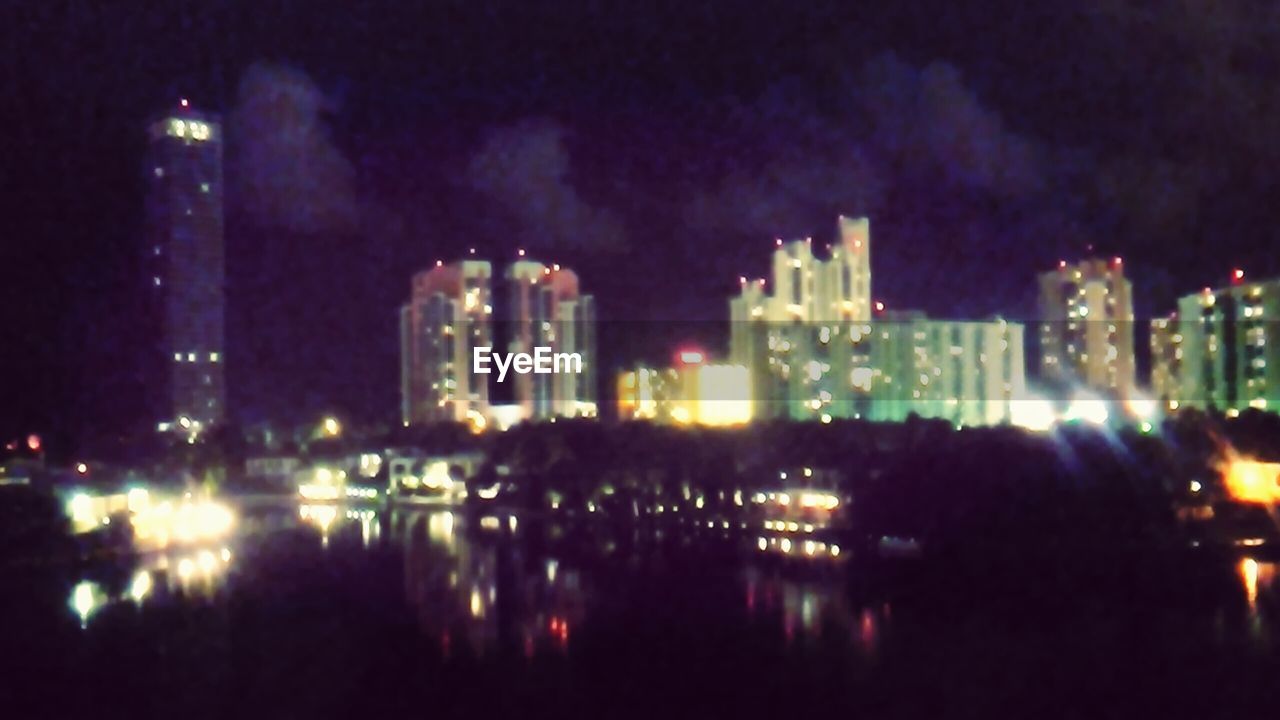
[(803, 343), (186, 268), (548, 309), (967, 372), (1166, 360), (1086, 332), (693, 392), (448, 314), (1229, 361)]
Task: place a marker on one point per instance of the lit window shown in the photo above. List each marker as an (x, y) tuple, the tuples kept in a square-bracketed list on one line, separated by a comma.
[(213, 357), (204, 187), (177, 357), (191, 357), (159, 172), (156, 281)]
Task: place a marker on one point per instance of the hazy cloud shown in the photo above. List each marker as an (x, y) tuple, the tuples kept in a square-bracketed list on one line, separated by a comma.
[(928, 122), (899, 125), (526, 169), (286, 170)]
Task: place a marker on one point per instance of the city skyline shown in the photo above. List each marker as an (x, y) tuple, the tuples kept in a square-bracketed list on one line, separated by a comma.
[(343, 169), (616, 359)]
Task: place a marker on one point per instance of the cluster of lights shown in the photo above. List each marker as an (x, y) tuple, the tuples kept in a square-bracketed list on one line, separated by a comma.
[(154, 523), (194, 129), (88, 597), (789, 526), (318, 492), (808, 548), (186, 522), (806, 499), (362, 493)]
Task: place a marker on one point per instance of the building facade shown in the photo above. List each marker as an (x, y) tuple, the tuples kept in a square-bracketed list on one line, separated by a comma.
[(1166, 361), (1229, 357), (967, 372), (1086, 330), (185, 262), (805, 344), (547, 309), (448, 315)]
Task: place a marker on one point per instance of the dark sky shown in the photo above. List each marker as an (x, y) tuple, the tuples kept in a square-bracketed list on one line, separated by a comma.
[(657, 147)]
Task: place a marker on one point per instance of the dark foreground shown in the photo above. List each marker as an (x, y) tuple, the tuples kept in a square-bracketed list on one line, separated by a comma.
[(428, 613)]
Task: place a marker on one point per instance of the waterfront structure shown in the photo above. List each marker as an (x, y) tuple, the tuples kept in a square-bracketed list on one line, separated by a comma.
[(1086, 331), (185, 263), (448, 315), (547, 309)]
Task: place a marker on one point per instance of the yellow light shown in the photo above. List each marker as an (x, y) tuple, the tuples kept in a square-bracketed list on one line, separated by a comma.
[(206, 560), (1251, 481), (331, 427), (1032, 414), (1249, 572), (81, 507), (141, 586), (186, 568), (84, 599), (138, 500)]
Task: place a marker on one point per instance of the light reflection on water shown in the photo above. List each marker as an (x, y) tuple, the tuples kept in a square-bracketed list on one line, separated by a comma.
[(195, 571), (487, 583)]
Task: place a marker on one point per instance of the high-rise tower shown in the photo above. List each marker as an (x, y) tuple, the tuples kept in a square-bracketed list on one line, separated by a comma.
[(185, 257)]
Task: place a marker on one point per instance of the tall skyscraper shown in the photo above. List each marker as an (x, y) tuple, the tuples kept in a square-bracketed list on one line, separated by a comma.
[(547, 309), (1086, 331), (185, 257), (449, 313), (1229, 361), (804, 342)]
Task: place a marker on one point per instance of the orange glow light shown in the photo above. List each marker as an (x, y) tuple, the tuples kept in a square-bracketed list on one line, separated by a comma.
[(1251, 481)]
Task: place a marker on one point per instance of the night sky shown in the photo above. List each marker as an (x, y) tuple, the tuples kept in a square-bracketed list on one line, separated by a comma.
[(655, 147)]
